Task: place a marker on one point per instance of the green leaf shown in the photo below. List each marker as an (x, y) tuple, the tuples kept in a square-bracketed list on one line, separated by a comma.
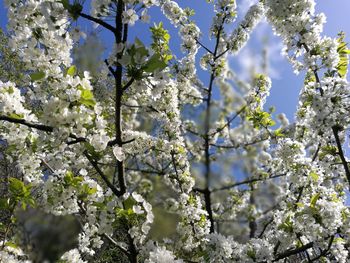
[(314, 176), (72, 70), (11, 244), (314, 200), (298, 204), (87, 97), (129, 203), (138, 48), (16, 116), (85, 191), (310, 77), (65, 4), (338, 240), (4, 203), (20, 193), (279, 133), (154, 63), (91, 150), (71, 180), (87, 94), (17, 187), (287, 225), (343, 53), (161, 38), (74, 10), (10, 90), (260, 118), (37, 76), (88, 103), (251, 254)]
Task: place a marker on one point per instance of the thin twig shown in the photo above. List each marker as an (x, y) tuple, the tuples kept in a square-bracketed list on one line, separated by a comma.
[(117, 192)]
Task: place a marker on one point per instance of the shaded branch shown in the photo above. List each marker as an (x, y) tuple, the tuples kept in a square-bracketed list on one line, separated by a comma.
[(117, 192), (128, 84), (292, 252), (37, 126), (335, 130), (110, 69), (203, 46), (99, 21), (246, 182)]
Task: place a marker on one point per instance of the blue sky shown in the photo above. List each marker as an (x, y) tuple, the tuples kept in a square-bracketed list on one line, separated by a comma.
[(286, 84)]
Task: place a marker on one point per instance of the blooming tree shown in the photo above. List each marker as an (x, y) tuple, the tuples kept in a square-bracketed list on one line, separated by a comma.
[(100, 147)]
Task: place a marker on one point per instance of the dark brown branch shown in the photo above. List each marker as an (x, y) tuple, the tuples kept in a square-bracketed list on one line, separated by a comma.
[(325, 251), (253, 226), (110, 69), (176, 171), (117, 192), (265, 227), (203, 46), (76, 140), (125, 33), (40, 127), (292, 252), (120, 169), (316, 153), (335, 130), (50, 129), (115, 142), (222, 53), (229, 121), (249, 181), (304, 248), (110, 239), (207, 192), (119, 95), (128, 84), (99, 21), (307, 49), (238, 145)]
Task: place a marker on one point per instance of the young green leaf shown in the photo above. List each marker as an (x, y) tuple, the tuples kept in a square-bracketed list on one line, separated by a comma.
[(343, 53), (72, 70), (37, 76), (155, 63)]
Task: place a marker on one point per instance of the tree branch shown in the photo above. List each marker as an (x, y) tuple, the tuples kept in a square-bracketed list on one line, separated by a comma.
[(117, 192), (335, 130), (292, 252), (99, 21), (207, 192), (110, 69), (246, 182), (40, 127), (128, 84), (203, 46)]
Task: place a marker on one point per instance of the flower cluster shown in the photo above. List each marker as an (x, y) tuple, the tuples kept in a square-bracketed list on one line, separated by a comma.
[(145, 137)]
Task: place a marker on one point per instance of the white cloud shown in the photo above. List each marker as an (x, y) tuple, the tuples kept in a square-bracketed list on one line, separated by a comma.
[(243, 6), (251, 57)]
